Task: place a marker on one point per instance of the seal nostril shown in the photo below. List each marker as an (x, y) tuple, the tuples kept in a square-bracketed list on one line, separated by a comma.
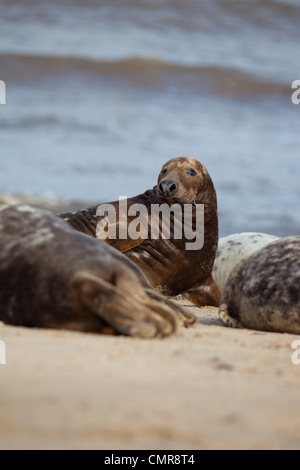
[(167, 187), (173, 188)]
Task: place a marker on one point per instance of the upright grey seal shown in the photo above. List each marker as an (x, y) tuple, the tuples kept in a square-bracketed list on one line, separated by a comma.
[(169, 266)]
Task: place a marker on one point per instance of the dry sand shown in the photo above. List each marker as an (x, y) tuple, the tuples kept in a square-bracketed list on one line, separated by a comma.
[(209, 387)]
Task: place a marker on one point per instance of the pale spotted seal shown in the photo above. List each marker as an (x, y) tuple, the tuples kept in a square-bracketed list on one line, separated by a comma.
[(54, 277), (263, 292), (168, 265), (233, 248)]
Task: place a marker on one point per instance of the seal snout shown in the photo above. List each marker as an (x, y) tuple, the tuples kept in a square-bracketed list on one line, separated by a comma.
[(168, 188)]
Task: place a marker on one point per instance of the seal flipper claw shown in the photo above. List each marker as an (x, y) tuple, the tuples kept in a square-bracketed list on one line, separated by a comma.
[(188, 319)]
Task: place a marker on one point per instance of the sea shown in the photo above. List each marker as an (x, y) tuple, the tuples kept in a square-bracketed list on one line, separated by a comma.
[(100, 94)]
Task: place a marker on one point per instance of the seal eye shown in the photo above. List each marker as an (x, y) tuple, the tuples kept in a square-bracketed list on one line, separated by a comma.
[(191, 172), (164, 171)]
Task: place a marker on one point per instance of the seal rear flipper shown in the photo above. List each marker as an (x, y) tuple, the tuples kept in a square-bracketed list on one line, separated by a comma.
[(206, 293), (227, 319), (130, 313)]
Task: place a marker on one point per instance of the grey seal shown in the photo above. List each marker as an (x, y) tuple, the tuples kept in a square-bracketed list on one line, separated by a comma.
[(54, 277), (263, 291), (168, 265), (233, 248)]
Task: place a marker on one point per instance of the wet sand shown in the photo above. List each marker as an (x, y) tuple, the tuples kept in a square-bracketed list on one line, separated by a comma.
[(209, 387)]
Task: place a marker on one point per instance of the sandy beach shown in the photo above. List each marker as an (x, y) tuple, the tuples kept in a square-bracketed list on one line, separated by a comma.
[(208, 387)]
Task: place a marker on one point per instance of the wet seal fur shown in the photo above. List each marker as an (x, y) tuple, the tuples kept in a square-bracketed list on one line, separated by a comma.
[(54, 277), (233, 248), (169, 267), (263, 292)]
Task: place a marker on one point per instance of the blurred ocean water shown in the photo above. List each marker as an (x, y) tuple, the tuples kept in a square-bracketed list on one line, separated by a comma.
[(100, 94)]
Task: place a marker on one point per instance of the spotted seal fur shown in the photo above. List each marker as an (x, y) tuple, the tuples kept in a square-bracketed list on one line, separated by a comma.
[(233, 248), (263, 291)]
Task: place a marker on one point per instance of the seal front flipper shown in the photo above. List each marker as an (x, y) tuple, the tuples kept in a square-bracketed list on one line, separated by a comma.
[(82, 220), (122, 245), (206, 293), (86, 221), (135, 314), (119, 228)]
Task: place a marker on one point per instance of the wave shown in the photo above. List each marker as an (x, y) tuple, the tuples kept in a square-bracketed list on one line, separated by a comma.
[(139, 72), (284, 6)]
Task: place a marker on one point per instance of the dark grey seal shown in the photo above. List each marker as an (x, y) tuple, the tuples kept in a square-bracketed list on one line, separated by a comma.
[(263, 291), (54, 277)]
